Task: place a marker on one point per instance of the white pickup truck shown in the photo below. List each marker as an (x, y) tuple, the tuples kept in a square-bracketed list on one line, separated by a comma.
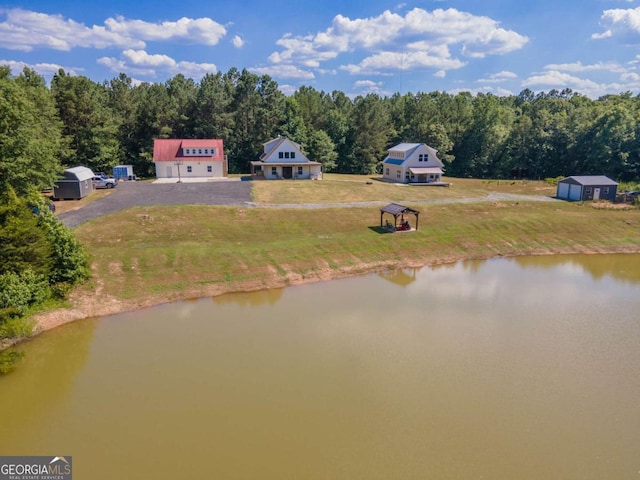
[(102, 181)]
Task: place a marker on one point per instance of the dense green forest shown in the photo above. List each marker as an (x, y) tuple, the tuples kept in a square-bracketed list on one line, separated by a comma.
[(531, 135), (40, 259)]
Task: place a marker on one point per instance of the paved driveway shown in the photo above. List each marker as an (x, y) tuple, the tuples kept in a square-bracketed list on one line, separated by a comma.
[(131, 194)]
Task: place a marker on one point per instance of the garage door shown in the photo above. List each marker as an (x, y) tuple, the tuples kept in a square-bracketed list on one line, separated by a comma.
[(575, 192), (563, 190)]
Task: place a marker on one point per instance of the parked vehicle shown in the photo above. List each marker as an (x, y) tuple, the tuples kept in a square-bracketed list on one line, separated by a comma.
[(102, 181)]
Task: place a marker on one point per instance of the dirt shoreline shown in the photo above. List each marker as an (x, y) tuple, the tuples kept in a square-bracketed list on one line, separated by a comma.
[(84, 306)]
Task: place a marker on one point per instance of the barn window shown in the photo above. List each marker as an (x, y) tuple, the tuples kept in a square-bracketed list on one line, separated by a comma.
[(588, 191), (386, 172), (209, 168), (605, 190), (189, 169)]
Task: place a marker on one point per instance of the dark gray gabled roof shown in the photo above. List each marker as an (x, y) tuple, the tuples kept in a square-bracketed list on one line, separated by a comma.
[(395, 209), (589, 180)]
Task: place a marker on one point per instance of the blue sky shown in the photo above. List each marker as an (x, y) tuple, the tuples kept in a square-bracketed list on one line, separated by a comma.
[(356, 46)]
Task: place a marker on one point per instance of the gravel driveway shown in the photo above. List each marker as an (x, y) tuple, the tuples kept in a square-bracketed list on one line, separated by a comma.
[(131, 194), (229, 192)]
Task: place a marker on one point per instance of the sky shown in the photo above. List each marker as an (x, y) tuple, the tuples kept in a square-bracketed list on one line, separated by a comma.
[(355, 46)]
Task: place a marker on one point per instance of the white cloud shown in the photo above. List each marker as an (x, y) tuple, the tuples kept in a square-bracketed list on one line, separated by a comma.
[(499, 77), (202, 31), (427, 36), (237, 41), (557, 79), (43, 69), (400, 61), (369, 86), (284, 71), (554, 79), (580, 67), (619, 22), (25, 30), (140, 62)]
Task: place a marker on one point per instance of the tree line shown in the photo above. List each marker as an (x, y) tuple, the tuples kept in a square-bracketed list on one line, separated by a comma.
[(530, 135)]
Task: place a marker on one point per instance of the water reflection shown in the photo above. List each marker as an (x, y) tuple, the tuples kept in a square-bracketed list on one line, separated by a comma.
[(41, 385), (621, 266), (495, 369), (252, 299)]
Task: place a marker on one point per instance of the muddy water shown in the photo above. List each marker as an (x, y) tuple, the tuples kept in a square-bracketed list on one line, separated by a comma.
[(525, 368)]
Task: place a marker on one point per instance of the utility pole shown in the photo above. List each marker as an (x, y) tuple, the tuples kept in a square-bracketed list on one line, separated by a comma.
[(178, 163)]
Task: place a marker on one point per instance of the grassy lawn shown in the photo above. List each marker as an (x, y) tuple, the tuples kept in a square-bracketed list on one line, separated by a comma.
[(150, 254), (362, 188)]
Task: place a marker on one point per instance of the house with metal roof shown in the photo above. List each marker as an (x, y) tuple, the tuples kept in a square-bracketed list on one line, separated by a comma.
[(587, 188), (177, 158), (416, 163), (284, 159)]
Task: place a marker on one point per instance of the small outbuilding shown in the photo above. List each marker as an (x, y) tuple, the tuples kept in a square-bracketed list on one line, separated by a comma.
[(123, 172), (396, 210), (76, 184), (587, 188)]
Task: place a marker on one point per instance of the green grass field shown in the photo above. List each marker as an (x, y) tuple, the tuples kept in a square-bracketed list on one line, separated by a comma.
[(153, 254)]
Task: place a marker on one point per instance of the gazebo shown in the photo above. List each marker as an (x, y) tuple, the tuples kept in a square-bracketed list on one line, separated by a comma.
[(396, 211)]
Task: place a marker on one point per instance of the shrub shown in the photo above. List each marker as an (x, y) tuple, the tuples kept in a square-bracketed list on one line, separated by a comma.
[(69, 260), (19, 291), (553, 181)]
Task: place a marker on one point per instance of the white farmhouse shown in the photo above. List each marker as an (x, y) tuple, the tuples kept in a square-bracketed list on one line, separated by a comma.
[(412, 163), (283, 159)]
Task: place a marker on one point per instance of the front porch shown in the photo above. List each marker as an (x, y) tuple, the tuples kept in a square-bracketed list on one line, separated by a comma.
[(286, 171)]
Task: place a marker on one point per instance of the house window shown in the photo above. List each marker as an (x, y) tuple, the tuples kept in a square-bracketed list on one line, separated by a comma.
[(186, 151), (605, 190), (588, 192), (214, 151), (280, 154), (293, 154), (274, 171), (386, 172), (299, 170), (209, 169), (189, 169), (286, 154), (398, 174)]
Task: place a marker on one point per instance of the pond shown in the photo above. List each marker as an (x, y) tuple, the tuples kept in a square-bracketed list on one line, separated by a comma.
[(520, 368)]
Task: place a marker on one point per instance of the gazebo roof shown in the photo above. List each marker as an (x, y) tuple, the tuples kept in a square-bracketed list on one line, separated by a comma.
[(396, 209)]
